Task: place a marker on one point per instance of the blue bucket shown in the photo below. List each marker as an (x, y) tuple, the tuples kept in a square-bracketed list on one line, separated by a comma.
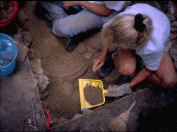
[(5, 70)]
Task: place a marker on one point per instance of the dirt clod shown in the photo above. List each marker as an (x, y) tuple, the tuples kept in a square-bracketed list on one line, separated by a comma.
[(6, 10), (93, 95)]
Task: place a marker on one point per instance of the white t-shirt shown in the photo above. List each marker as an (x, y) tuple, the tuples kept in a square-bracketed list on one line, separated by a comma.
[(115, 5), (152, 53)]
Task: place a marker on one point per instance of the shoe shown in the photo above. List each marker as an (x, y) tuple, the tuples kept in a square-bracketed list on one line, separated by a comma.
[(125, 79), (76, 39), (71, 45), (107, 68)]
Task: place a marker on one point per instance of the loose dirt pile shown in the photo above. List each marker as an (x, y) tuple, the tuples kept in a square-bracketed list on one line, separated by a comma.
[(93, 95), (6, 10)]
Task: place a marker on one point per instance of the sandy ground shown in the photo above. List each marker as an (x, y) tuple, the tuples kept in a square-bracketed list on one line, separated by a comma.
[(61, 67)]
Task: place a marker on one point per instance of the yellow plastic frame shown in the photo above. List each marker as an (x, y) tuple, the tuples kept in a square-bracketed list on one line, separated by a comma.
[(82, 84)]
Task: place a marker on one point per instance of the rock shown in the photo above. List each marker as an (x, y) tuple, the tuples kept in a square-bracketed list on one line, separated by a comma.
[(81, 48), (174, 24), (174, 43), (114, 75), (22, 52), (67, 88), (43, 82), (77, 116), (173, 29), (88, 54), (24, 38), (35, 81), (27, 38), (173, 52), (36, 66), (169, 44), (84, 111), (170, 16), (172, 36)]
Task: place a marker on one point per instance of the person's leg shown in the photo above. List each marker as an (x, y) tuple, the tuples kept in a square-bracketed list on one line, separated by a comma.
[(125, 62), (55, 9), (165, 76), (74, 24)]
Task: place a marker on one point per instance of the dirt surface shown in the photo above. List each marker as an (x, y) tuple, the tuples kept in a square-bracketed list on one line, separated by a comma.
[(61, 67), (93, 95)]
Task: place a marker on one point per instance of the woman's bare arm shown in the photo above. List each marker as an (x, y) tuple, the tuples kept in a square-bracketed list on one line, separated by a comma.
[(98, 9), (141, 76)]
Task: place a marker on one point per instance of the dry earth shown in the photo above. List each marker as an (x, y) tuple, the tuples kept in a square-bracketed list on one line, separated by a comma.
[(61, 67)]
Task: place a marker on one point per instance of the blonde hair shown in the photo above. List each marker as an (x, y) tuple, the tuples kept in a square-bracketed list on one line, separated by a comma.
[(122, 33)]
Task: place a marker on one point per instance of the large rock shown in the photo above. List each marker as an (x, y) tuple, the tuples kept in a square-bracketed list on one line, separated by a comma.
[(43, 82)]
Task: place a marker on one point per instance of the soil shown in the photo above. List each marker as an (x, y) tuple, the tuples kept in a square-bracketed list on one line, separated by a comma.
[(93, 95), (63, 99), (6, 10)]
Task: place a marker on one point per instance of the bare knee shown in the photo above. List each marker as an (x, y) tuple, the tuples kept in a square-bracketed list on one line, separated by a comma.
[(126, 69), (169, 82)]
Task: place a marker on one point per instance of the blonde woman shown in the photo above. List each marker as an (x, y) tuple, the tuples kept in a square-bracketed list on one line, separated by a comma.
[(141, 30)]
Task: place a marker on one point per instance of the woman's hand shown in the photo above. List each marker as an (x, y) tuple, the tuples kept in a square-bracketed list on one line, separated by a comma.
[(70, 3), (98, 62)]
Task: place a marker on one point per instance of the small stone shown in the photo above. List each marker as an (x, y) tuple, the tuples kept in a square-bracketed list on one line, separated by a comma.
[(174, 43), (35, 81), (173, 52), (88, 54), (114, 75), (22, 52), (27, 38), (36, 66), (43, 82), (173, 29), (172, 36), (77, 116), (169, 44), (170, 16), (174, 24), (81, 48)]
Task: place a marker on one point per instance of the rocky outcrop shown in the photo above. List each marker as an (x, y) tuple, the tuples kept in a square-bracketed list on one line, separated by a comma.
[(43, 80)]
